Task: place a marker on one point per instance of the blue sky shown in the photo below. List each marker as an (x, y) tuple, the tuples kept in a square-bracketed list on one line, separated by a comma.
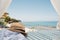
[(32, 10)]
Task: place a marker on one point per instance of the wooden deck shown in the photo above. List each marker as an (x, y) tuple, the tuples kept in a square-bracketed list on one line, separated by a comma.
[(44, 35)]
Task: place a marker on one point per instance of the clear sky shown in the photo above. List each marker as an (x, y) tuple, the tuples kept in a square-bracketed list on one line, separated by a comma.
[(32, 10)]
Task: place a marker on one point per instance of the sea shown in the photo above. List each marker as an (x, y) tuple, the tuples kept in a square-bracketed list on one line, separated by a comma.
[(40, 23)]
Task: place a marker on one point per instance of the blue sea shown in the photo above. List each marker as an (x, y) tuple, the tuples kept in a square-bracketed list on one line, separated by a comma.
[(45, 23)]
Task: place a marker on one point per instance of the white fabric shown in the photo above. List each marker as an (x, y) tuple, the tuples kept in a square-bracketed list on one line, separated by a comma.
[(9, 35), (4, 5), (56, 5)]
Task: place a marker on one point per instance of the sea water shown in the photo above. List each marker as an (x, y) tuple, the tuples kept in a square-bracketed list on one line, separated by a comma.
[(45, 23)]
